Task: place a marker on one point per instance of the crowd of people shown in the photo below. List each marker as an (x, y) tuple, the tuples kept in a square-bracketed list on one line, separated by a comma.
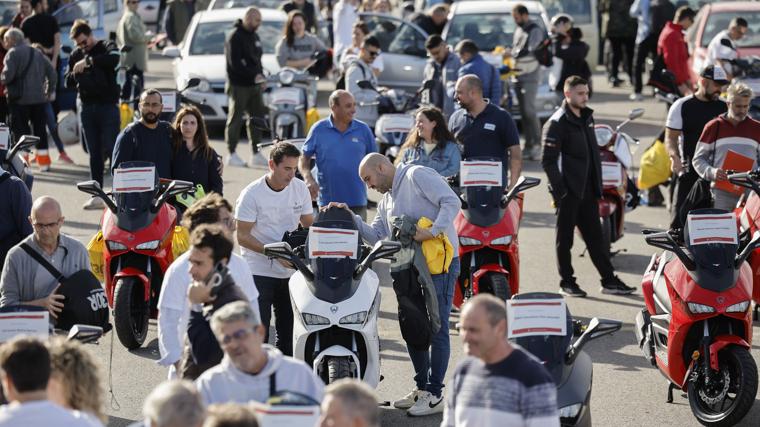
[(216, 348)]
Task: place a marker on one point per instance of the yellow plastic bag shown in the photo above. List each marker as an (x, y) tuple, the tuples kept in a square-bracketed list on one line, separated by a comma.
[(655, 166), (312, 116), (180, 241), (95, 250), (438, 252), (126, 114)]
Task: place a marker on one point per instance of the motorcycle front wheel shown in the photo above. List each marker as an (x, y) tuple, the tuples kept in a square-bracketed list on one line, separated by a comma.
[(729, 394), (338, 368), (130, 312), (495, 284)]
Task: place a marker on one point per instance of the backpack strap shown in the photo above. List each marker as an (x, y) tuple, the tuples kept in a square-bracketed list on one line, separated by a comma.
[(42, 261), (272, 384)]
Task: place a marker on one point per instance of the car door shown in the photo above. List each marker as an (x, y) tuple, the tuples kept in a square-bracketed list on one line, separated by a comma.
[(403, 50)]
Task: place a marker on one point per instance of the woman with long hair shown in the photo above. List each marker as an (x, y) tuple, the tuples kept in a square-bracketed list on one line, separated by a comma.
[(431, 144), (297, 47), (75, 381), (194, 160), (359, 32)]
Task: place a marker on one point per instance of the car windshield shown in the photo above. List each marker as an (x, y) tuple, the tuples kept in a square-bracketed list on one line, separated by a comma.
[(718, 22), (209, 37), (487, 30), (262, 4), (8, 10), (83, 9)]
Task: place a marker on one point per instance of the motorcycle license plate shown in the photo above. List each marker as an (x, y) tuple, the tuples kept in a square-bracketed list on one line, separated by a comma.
[(286, 95), (612, 174), (479, 173)]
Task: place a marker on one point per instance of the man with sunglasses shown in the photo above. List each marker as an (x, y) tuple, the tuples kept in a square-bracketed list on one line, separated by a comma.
[(92, 72), (252, 370), (361, 70), (24, 280)]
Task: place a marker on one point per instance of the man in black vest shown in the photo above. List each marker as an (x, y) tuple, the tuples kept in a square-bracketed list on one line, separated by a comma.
[(576, 185)]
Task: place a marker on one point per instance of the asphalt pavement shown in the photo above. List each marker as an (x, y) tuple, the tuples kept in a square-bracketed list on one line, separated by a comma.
[(627, 391)]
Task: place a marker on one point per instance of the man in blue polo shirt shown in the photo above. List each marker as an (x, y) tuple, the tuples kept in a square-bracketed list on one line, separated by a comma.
[(339, 144), (483, 129)]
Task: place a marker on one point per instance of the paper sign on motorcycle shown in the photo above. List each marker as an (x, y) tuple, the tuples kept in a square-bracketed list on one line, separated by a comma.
[(4, 136), (478, 173), (134, 180), (33, 323), (612, 174), (333, 243), (712, 228), (169, 101), (536, 317), (286, 415)]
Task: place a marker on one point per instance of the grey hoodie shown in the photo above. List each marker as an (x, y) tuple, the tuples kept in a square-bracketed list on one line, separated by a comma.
[(39, 80), (226, 383)]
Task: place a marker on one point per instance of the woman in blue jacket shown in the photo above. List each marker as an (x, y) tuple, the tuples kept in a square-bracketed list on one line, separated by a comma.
[(431, 144)]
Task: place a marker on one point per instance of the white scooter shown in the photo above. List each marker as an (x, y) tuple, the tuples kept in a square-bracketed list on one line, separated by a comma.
[(336, 298)]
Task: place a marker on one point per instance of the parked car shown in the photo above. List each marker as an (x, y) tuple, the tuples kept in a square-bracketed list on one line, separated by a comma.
[(201, 55), (490, 25), (714, 18)]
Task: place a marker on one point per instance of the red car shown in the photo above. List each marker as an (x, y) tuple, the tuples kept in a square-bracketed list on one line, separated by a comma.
[(714, 18)]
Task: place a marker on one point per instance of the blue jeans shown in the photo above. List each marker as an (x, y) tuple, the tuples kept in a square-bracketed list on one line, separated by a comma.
[(52, 126), (430, 365), (100, 125)]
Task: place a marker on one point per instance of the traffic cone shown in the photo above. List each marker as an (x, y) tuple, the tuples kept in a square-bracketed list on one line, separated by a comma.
[(43, 159)]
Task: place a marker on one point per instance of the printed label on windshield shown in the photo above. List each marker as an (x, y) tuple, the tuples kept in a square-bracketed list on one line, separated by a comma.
[(4, 136), (478, 173), (169, 100), (34, 323), (612, 174), (333, 243), (712, 228), (536, 317), (134, 180)]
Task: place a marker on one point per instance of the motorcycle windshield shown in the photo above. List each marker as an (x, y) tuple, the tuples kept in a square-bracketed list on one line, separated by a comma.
[(334, 277), (715, 270), (134, 208), (484, 207)]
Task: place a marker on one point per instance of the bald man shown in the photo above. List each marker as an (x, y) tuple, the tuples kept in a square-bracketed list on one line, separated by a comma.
[(24, 280), (417, 191)]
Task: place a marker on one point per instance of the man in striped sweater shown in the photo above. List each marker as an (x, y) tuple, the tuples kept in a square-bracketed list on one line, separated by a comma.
[(498, 384)]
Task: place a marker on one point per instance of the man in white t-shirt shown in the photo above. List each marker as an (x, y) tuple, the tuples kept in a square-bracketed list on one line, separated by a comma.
[(266, 209), (722, 48), (25, 371), (173, 305)]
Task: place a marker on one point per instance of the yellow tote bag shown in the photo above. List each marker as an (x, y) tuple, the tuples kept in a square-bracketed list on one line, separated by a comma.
[(95, 250), (180, 241), (655, 166), (438, 252)]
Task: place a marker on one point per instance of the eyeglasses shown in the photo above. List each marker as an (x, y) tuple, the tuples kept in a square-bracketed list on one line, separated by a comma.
[(49, 225), (238, 335), (373, 53)]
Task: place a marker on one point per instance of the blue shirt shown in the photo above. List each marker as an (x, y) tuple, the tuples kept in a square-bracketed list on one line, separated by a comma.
[(488, 75), (444, 160), (338, 156)]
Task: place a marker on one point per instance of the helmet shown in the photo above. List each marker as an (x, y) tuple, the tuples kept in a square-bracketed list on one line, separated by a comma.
[(68, 127)]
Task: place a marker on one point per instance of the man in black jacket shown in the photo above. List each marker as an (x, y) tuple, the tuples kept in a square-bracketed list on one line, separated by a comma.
[(92, 71), (242, 51), (576, 185)]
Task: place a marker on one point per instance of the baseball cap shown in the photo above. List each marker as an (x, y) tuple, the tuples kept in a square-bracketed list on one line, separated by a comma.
[(715, 73)]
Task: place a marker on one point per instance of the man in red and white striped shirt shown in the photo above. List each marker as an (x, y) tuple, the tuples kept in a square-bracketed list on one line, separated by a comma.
[(733, 136)]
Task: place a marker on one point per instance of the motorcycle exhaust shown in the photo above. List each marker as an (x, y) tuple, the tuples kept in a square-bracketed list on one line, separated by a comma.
[(644, 335)]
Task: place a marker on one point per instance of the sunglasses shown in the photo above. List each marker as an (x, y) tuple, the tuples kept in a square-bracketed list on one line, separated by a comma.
[(49, 225), (373, 53)]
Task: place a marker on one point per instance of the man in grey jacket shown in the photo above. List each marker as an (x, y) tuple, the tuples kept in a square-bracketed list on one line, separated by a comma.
[(442, 67), (24, 280), (527, 38), (360, 70), (30, 80), (417, 191)]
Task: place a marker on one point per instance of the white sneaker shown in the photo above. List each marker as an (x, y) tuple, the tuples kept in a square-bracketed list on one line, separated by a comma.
[(257, 159), (426, 404), (94, 203), (636, 97), (407, 401), (234, 160)]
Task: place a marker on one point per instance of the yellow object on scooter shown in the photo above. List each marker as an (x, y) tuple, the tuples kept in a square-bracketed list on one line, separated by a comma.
[(312, 116), (180, 241), (438, 251), (655, 166), (126, 114), (95, 251)]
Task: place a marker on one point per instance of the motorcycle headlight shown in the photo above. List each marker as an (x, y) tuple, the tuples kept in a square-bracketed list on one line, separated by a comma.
[(695, 308), (467, 241), (314, 319), (354, 319), (738, 308), (203, 86), (286, 77), (570, 411), (151, 245), (115, 246), (502, 240)]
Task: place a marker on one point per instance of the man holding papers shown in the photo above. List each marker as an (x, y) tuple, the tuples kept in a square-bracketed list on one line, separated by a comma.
[(730, 142)]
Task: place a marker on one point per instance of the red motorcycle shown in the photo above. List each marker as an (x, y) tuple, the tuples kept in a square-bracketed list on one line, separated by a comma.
[(618, 191), (137, 226), (696, 327), (748, 213), (487, 227)]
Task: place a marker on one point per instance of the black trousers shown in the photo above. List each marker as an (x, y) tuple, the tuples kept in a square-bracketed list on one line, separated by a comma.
[(622, 49), (21, 115), (647, 47), (274, 293), (681, 187), (584, 214)]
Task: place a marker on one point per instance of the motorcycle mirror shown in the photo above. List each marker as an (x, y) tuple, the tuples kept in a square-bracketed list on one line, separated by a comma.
[(523, 183), (746, 180), (179, 187), (664, 240), (280, 250), (753, 244), (636, 113), (26, 141), (85, 333), (365, 84), (193, 82), (93, 188), (596, 328), (606, 327), (382, 249)]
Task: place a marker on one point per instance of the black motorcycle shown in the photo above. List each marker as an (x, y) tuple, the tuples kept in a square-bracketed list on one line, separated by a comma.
[(13, 161)]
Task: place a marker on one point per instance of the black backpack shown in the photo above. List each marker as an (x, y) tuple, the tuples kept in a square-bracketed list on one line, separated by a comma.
[(543, 52), (341, 83)]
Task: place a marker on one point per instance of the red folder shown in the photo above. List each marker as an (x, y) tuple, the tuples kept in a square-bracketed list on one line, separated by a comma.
[(734, 162)]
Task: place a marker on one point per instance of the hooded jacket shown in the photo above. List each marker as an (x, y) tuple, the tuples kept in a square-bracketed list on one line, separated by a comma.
[(226, 383), (242, 51)]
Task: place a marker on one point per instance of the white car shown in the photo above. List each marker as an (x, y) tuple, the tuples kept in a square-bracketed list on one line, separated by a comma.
[(201, 55)]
